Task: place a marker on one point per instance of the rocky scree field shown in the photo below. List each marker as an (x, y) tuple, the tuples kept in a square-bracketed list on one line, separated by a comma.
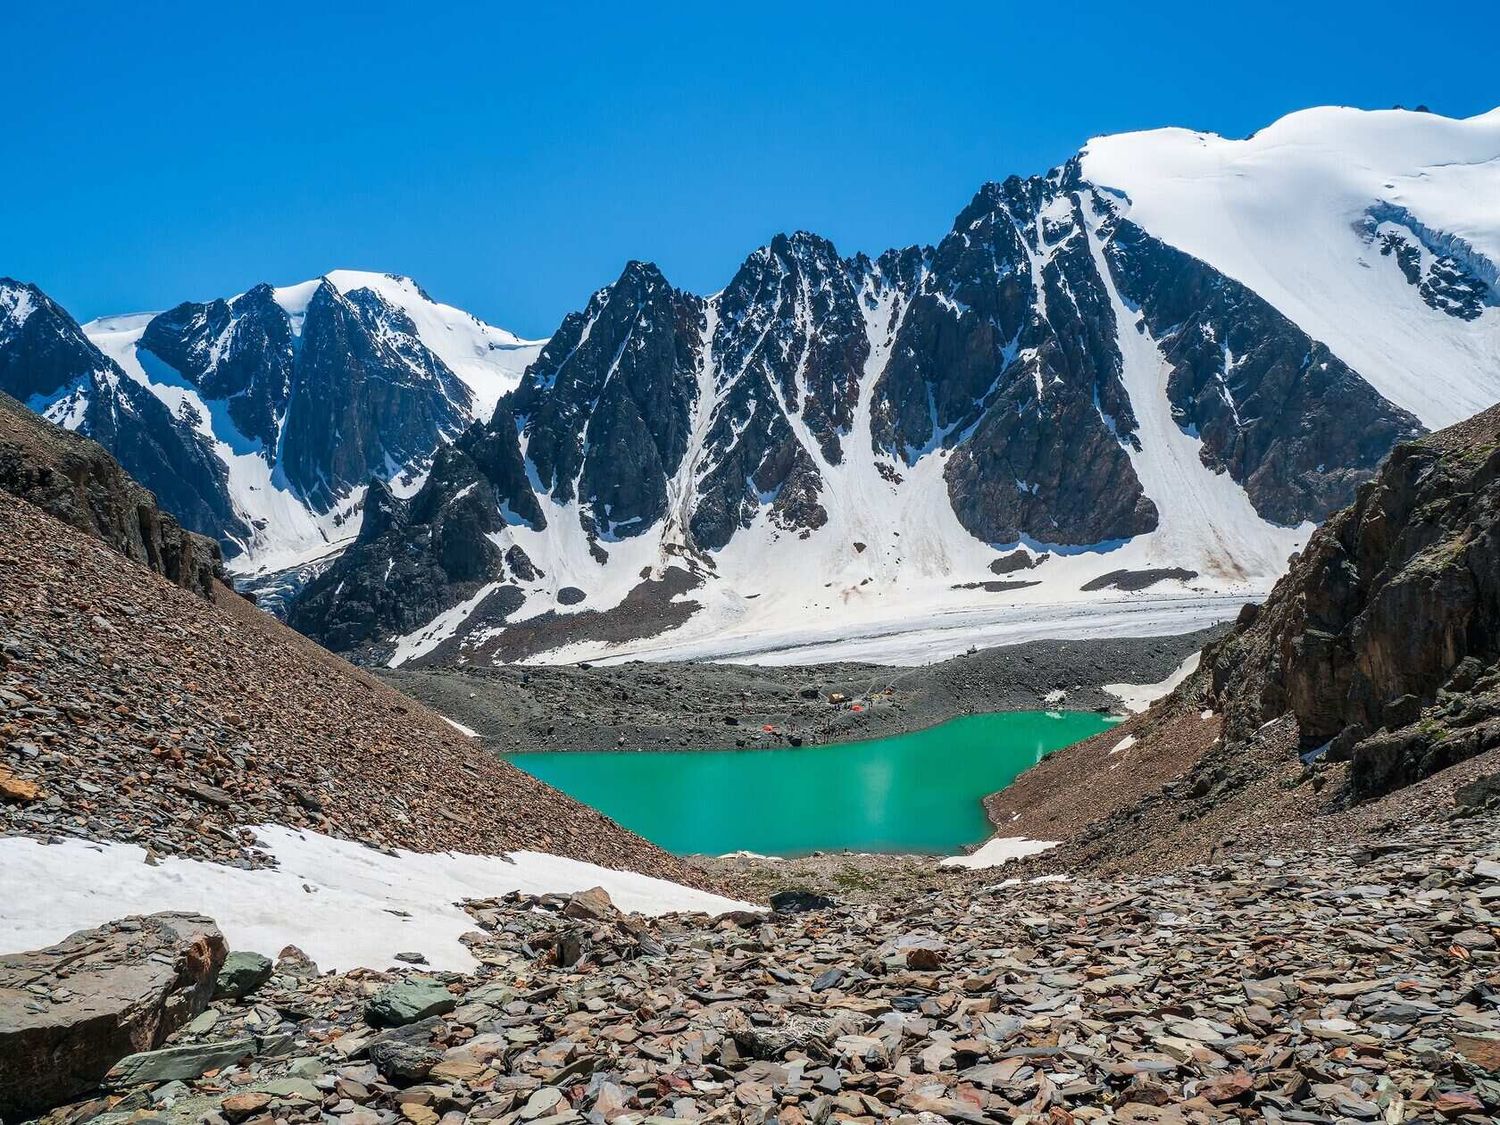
[(1353, 983), (132, 710)]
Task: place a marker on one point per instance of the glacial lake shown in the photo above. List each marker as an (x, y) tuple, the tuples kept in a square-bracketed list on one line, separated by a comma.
[(917, 792)]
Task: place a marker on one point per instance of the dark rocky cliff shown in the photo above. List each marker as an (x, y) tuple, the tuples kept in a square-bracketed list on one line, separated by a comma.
[(77, 481), (1383, 639)]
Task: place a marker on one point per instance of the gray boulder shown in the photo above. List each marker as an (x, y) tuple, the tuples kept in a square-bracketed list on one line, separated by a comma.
[(409, 1001), (180, 1063), (68, 1013), (242, 974)]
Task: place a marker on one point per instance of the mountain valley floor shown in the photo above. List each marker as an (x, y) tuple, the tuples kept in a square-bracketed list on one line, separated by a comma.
[(703, 706)]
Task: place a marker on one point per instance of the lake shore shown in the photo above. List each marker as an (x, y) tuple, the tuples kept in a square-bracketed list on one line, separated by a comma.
[(692, 706)]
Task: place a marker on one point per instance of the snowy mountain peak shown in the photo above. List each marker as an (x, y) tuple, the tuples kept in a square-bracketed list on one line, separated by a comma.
[(17, 302), (1377, 232), (294, 395)]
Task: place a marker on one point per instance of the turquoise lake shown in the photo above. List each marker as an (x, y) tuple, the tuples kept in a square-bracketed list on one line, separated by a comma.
[(916, 792)]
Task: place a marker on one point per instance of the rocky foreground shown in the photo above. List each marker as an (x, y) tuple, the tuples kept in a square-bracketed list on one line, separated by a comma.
[(1358, 985)]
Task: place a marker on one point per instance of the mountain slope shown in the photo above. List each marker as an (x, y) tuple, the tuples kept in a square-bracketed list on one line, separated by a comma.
[(145, 714), (76, 481), (1063, 412)]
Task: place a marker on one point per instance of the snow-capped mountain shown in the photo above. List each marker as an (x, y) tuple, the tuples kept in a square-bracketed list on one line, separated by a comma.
[(262, 418), (48, 363), (1129, 386)]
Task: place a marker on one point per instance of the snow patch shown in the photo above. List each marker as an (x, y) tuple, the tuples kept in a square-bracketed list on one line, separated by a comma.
[(997, 851), (334, 899), (1137, 697)]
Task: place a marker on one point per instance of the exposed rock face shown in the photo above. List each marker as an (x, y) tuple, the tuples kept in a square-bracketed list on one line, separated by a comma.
[(814, 383), (369, 396), (606, 406), (381, 585), (1386, 631), (70, 1012), (242, 350), (77, 481), (789, 349), (50, 366), (1007, 356)]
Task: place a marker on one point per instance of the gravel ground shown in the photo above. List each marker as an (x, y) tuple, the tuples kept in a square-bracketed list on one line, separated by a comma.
[(1356, 984), (688, 706)]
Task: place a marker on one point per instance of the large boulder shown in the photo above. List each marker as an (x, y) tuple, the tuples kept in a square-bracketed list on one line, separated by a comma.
[(408, 1001), (69, 1012)]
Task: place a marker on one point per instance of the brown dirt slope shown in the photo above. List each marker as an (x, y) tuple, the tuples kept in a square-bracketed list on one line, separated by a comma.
[(133, 710)]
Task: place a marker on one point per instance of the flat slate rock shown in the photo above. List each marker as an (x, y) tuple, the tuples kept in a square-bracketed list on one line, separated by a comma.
[(69, 1012)]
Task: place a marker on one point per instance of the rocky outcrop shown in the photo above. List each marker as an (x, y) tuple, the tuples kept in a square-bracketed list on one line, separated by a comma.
[(1448, 273), (68, 1013), (1383, 639), (76, 480)]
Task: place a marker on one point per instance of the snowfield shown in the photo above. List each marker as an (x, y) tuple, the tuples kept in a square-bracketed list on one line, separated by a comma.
[(344, 904), (1281, 213)]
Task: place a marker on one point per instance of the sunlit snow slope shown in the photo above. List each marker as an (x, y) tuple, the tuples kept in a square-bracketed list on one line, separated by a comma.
[(1297, 213)]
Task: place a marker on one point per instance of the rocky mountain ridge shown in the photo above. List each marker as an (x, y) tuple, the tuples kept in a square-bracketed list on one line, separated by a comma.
[(75, 480), (989, 380), (261, 418), (1084, 380)]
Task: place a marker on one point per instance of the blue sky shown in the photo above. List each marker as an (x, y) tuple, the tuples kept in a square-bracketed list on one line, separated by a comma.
[(511, 159)]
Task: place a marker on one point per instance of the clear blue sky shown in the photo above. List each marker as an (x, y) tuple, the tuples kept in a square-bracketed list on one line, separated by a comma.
[(513, 158)]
